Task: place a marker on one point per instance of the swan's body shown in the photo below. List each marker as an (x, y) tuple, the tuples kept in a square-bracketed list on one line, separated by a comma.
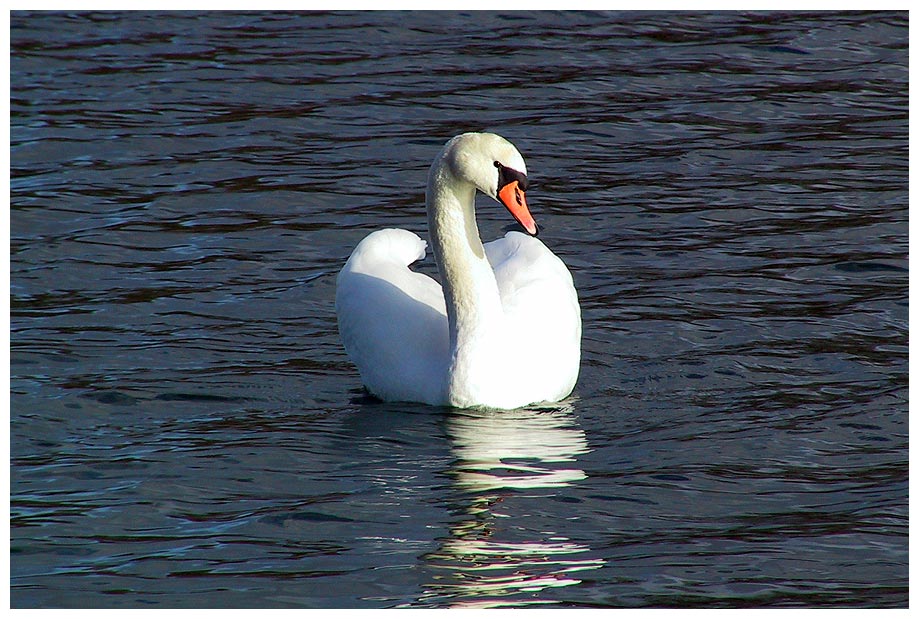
[(505, 329)]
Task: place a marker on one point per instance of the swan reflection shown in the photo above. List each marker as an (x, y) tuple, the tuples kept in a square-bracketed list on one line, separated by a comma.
[(494, 556)]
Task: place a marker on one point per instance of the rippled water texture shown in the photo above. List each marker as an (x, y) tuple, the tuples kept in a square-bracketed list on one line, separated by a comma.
[(729, 190)]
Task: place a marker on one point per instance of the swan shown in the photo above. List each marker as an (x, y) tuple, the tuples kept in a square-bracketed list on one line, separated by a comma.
[(503, 332)]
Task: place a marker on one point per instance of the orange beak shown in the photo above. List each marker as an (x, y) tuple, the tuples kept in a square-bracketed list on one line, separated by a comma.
[(514, 200)]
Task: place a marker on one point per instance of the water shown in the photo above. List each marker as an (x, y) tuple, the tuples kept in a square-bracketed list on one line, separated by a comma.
[(729, 191)]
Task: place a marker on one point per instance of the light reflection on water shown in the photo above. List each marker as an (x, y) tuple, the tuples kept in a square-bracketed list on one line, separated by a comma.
[(500, 454)]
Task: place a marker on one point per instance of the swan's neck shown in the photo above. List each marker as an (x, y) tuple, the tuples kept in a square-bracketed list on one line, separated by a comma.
[(474, 308)]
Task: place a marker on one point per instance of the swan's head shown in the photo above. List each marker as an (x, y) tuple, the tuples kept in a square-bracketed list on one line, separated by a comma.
[(496, 168)]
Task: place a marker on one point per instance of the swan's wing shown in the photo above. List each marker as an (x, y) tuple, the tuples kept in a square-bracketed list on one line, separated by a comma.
[(542, 310), (393, 321)]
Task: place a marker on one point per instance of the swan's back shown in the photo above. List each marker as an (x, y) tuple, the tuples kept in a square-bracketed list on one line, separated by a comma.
[(393, 321)]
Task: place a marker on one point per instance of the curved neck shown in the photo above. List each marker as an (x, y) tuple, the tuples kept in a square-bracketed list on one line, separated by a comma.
[(470, 290)]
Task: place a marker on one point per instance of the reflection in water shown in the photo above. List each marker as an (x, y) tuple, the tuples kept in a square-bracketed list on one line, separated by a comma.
[(489, 559)]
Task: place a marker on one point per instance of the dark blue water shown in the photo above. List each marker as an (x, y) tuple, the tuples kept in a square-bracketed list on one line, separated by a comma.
[(729, 191)]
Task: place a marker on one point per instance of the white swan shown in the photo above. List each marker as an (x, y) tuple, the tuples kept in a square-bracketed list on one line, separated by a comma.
[(505, 330)]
